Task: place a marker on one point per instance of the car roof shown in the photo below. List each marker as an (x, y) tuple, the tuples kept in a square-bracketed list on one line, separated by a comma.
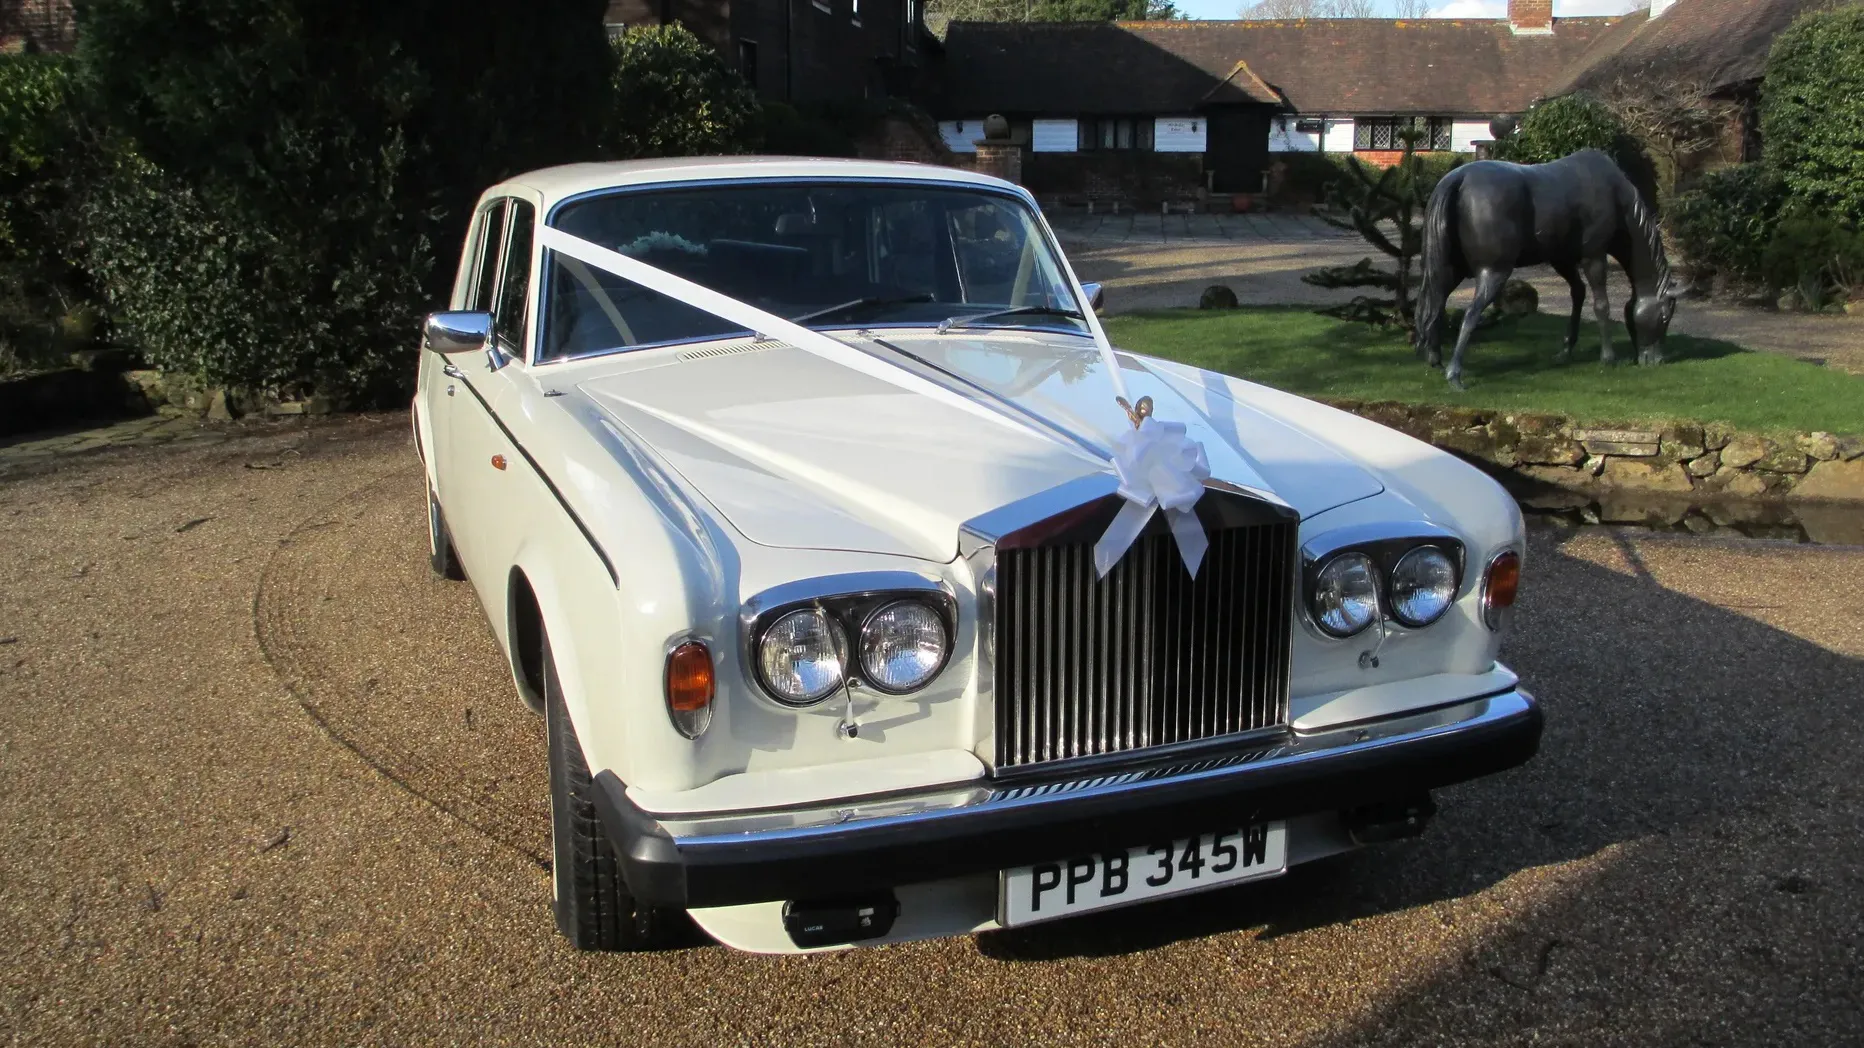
[(558, 183)]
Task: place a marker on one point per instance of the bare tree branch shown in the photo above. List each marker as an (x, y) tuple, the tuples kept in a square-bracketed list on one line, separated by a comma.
[(1411, 8)]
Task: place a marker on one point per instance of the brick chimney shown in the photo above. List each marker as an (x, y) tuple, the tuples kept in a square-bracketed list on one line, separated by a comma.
[(1530, 17)]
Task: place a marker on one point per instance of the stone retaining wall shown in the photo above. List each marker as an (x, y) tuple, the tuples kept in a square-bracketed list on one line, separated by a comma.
[(1701, 462)]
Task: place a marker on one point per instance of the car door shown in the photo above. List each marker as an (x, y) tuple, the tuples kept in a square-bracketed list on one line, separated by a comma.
[(484, 509), (445, 395)]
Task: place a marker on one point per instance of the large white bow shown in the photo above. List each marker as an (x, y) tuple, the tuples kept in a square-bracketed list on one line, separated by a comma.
[(1159, 468)]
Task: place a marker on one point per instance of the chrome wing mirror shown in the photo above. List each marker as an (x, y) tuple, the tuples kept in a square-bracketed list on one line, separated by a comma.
[(1096, 296), (457, 331)]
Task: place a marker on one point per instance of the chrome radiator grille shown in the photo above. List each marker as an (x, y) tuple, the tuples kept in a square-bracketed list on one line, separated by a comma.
[(1147, 656)]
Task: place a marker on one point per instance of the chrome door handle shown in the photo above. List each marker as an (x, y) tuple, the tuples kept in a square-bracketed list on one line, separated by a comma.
[(451, 372)]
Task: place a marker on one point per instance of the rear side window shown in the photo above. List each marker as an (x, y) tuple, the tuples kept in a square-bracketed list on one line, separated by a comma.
[(485, 266), (515, 279)]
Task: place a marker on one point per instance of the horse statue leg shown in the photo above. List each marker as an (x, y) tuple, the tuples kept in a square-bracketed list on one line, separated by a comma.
[(1601, 307), (1571, 273), (1488, 288)]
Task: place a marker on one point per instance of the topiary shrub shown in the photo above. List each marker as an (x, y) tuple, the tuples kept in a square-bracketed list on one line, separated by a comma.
[(674, 96), (1812, 110), (1560, 127), (1723, 225), (283, 176)]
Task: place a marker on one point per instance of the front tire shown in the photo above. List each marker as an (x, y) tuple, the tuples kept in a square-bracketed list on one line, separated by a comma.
[(594, 909)]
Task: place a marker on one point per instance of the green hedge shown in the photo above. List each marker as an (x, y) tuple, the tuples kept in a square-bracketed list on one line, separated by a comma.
[(278, 183), (1723, 225), (1812, 110), (39, 287)]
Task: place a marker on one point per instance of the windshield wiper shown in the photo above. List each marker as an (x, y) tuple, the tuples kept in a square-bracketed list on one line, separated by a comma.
[(972, 319), (856, 303)]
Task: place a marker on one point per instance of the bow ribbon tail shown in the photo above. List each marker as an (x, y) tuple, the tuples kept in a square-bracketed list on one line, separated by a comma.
[(1193, 543), (1121, 534)]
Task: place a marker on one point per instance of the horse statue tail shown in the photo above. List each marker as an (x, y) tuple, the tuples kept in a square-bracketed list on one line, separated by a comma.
[(1435, 276)]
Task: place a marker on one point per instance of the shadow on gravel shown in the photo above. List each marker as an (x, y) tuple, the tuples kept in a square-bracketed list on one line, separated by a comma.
[(1704, 761)]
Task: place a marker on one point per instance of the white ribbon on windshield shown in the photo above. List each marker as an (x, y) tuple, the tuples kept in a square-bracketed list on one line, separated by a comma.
[(765, 325), (1158, 465)]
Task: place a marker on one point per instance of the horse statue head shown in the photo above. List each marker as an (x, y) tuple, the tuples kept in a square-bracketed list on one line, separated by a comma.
[(1647, 318)]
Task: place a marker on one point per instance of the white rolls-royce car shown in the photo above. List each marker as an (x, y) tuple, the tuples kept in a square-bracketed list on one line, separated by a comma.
[(869, 595)]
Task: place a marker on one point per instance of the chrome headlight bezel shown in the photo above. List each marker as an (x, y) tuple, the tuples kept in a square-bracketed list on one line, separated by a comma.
[(1385, 543), (869, 678), (1375, 591), (837, 651), (850, 602), (1393, 580)]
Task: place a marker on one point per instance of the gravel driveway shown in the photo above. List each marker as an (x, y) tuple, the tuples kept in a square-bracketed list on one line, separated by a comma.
[(266, 782)]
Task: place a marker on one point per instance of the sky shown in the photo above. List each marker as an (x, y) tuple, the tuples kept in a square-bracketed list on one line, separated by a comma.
[(1440, 8)]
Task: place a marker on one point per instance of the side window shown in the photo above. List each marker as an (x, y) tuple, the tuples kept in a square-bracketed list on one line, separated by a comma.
[(515, 280), (485, 268)]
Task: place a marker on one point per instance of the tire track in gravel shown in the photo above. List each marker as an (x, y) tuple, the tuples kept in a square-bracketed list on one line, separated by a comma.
[(400, 668)]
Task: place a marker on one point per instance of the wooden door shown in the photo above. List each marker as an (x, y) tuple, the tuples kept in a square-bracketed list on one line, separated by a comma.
[(1236, 148)]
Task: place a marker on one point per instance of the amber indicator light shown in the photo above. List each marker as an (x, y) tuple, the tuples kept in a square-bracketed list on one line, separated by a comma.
[(689, 677), (1504, 577), (498, 462)]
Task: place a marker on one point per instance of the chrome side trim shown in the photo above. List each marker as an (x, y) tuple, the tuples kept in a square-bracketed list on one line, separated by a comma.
[(898, 814)]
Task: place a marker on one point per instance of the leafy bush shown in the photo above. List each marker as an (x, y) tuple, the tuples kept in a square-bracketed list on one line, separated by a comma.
[(1812, 110), (674, 96), (1724, 224), (1560, 127), (39, 287), (1815, 256), (285, 175)]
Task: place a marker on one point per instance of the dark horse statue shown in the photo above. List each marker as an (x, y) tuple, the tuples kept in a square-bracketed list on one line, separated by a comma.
[(1487, 218)]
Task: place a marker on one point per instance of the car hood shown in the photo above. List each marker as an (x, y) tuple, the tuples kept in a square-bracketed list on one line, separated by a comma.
[(796, 451)]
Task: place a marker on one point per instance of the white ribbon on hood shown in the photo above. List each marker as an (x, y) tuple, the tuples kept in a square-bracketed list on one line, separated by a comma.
[(1158, 466)]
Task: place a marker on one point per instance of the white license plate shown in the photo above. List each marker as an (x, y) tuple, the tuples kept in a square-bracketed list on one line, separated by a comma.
[(1066, 887)]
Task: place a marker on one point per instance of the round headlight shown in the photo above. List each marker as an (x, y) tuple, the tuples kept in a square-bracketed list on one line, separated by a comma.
[(903, 645), (1346, 594), (1423, 585), (798, 659)]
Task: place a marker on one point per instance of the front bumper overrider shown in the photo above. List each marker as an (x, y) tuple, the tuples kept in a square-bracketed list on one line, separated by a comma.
[(874, 843)]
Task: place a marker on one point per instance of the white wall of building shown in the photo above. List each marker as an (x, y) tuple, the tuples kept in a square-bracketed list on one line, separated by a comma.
[(961, 135), (1054, 136), (1285, 137), (1464, 135), (1339, 135), (1179, 134)]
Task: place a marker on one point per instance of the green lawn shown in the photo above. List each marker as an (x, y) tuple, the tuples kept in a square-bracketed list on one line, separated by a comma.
[(1509, 367)]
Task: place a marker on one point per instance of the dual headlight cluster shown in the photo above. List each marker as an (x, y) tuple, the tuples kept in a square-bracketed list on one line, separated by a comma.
[(1415, 585), (897, 645)]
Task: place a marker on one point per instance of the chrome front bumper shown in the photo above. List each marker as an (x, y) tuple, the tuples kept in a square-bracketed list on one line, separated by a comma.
[(874, 843)]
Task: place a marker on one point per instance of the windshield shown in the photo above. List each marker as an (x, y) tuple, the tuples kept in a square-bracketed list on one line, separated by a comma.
[(827, 256)]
